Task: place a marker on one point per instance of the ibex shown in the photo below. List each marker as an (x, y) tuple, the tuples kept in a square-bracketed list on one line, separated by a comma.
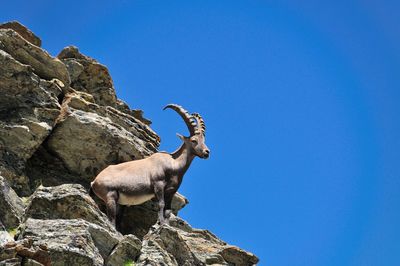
[(159, 175)]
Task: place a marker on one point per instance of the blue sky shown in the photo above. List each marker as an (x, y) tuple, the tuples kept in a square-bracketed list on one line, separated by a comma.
[(301, 102)]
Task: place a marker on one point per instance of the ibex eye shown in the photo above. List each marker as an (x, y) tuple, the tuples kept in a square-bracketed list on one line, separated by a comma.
[(194, 141)]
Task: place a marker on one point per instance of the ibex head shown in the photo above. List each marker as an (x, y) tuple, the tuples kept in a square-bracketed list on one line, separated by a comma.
[(197, 128)]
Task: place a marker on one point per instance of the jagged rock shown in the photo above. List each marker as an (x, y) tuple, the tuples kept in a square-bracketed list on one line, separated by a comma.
[(11, 206), (71, 242), (138, 219), (189, 246), (28, 110), (89, 76), (89, 137), (128, 249), (23, 31), (152, 254), (178, 202), (86, 102), (44, 65), (68, 201)]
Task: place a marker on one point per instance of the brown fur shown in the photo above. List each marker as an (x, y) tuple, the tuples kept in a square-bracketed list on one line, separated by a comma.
[(158, 175)]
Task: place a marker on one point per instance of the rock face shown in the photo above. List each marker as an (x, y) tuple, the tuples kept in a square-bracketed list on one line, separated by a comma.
[(28, 110), (23, 31), (68, 201), (127, 248), (71, 242), (180, 244), (44, 65), (61, 123), (11, 206)]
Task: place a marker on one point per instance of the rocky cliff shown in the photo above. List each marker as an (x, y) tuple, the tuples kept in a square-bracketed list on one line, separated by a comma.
[(60, 124)]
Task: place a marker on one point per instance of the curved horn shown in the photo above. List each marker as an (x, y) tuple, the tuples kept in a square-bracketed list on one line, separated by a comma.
[(201, 126), (190, 123)]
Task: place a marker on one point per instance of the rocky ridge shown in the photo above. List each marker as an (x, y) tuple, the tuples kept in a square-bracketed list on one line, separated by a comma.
[(61, 123)]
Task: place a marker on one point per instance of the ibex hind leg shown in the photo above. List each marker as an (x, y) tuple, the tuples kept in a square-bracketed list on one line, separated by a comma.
[(111, 203), (119, 217)]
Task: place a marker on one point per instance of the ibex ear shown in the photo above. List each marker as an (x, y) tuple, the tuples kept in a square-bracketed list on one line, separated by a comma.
[(180, 136)]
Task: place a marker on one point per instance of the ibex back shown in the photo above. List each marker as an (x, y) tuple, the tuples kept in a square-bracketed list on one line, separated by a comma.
[(159, 175)]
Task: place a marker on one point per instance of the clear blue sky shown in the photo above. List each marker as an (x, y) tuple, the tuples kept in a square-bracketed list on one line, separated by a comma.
[(301, 103)]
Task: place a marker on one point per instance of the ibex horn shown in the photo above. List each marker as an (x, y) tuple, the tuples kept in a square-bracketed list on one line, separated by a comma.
[(201, 126), (190, 123)]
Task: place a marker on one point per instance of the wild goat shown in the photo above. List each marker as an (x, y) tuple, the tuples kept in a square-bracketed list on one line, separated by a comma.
[(159, 175)]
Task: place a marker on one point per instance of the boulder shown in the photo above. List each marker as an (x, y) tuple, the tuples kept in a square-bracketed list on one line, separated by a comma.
[(44, 65), (24, 252), (89, 137), (89, 76), (68, 201), (28, 111), (189, 246), (128, 249), (70, 242), (23, 31), (11, 207)]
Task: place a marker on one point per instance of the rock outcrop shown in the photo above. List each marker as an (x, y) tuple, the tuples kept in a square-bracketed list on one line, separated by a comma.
[(180, 244), (61, 123)]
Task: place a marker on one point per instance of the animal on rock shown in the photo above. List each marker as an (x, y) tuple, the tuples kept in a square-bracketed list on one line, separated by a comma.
[(159, 175)]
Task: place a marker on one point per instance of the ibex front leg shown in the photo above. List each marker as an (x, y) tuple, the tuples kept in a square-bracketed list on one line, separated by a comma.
[(167, 209), (159, 192)]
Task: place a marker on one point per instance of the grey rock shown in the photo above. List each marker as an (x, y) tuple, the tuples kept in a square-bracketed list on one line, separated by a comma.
[(153, 254), (4, 238), (28, 111), (68, 201), (23, 31), (11, 206), (70, 242), (89, 76), (44, 65), (128, 249), (189, 246), (88, 137), (74, 68)]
